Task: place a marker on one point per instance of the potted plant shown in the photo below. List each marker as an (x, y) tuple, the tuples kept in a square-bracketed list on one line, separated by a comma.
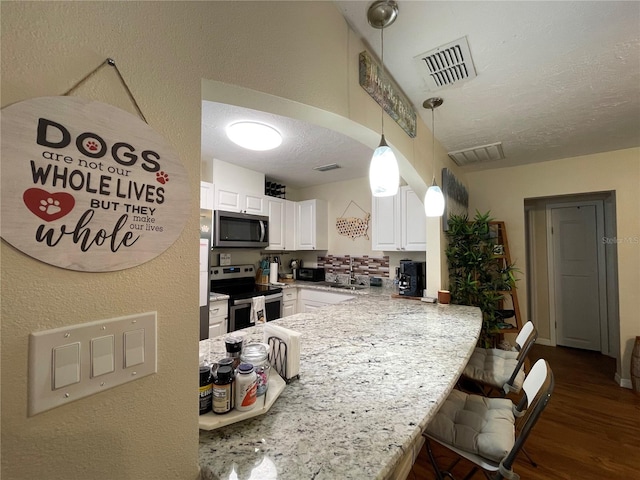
[(475, 276)]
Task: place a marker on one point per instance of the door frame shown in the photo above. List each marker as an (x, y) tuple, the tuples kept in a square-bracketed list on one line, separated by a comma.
[(602, 272)]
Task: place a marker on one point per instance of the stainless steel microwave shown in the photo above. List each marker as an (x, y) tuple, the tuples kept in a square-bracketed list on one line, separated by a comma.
[(234, 229)]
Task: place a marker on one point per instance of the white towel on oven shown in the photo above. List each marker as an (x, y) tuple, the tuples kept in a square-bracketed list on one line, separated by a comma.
[(258, 312)]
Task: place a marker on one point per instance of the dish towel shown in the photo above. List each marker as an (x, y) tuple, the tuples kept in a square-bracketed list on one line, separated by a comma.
[(258, 313)]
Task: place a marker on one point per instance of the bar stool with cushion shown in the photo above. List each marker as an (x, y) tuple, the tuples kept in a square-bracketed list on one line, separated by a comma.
[(483, 430), (502, 370)]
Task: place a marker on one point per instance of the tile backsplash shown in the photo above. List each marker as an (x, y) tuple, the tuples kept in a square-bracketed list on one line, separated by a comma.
[(362, 266)]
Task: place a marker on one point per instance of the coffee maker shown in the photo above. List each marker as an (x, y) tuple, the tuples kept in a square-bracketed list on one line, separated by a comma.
[(412, 278)]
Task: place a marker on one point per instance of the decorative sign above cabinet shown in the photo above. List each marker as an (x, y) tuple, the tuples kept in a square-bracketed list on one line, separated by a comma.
[(87, 186), (387, 94)]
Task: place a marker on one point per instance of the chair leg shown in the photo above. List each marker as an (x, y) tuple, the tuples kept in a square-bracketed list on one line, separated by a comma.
[(439, 473), (470, 474)]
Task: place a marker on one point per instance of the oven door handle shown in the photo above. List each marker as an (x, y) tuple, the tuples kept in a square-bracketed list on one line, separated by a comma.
[(249, 301)]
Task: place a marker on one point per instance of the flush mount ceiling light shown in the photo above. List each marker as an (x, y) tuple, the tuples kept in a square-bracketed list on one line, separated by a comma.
[(384, 175), (254, 135), (434, 199)]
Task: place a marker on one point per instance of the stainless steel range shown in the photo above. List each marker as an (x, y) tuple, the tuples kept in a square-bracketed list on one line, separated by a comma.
[(238, 281)]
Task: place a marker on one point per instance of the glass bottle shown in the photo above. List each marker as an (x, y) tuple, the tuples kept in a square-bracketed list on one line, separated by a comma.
[(206, 389), (223, 390)]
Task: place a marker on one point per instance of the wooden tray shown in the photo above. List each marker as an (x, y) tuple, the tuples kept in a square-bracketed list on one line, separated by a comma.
[(397, 295), (211, 421)]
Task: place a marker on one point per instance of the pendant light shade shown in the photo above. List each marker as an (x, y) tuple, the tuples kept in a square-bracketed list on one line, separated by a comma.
[(384, 175), (434, 201), (434, 198)]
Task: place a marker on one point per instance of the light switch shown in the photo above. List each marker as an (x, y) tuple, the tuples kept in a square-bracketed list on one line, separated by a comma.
[(133, 348), (102, 360), (66, 365), (74, 361)]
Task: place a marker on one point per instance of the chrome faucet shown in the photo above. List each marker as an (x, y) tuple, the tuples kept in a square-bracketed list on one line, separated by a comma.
[(352, 277)]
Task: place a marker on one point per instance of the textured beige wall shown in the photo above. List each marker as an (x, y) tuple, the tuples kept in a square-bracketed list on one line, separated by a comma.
[(503, 192), (303, 51), (540, 273)]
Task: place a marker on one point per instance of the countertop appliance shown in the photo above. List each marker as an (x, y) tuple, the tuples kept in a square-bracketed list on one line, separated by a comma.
[(238, 281), (412, 278), (295, 264), (244, 230), (309, 274)]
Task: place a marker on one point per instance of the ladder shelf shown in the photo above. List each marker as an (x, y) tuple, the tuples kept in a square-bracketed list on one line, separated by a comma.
[(502, 255)]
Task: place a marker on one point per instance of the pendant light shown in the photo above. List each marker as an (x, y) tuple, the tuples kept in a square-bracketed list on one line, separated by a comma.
[(384, 175), (434, 199)]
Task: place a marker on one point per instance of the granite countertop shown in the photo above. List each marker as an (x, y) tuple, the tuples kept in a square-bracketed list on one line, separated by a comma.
[(214, 297), (373, 372), (325, 286)]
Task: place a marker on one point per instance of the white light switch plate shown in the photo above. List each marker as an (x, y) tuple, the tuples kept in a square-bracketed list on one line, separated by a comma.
[(95, 368)]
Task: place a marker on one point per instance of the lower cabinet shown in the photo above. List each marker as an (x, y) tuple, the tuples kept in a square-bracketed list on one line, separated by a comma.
[(289, 301), (309, 300), (218, 318)]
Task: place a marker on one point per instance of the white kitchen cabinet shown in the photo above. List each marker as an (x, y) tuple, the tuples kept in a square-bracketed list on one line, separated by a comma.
[(281, 223), (238, 189), (312, 224), (385, 223), (289, 301), (218, 318), (234, 200), (398, 222), (310, 305), (413, 221), (313, 299), (206, 195)]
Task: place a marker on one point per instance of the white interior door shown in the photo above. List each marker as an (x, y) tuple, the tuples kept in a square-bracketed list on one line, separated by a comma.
[(576, 270)]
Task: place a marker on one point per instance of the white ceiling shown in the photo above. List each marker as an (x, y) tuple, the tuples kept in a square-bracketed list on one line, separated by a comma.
[(554, 80)]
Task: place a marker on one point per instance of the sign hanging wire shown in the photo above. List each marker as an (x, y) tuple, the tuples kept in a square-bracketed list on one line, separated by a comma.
[(111, 62)]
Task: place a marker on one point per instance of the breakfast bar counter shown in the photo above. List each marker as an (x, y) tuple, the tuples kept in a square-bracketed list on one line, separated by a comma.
[(373, 371)]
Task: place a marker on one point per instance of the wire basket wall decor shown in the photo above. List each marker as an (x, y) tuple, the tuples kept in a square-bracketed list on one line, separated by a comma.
[(353, 226)]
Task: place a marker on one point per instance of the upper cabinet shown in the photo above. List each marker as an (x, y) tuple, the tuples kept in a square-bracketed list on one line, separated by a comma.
[(238, 189), (206, 195), (282, 224), (385, 223), (398, 222), (413, 221), (238, 201), (312, 225)]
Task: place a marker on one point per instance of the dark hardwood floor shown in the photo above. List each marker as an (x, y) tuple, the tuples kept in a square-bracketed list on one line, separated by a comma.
[(589, 431)]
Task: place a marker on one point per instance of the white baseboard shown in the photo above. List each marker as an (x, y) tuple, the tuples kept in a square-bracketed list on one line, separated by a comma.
[(544, 341), (623, 382)]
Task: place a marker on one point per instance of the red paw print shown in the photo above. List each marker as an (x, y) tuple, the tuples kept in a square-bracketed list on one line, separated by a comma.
[(91, 145), (162, 177)]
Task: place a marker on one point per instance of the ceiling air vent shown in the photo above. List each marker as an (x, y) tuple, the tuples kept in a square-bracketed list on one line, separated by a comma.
[(326, 168), (483, 153), (446, 65)]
